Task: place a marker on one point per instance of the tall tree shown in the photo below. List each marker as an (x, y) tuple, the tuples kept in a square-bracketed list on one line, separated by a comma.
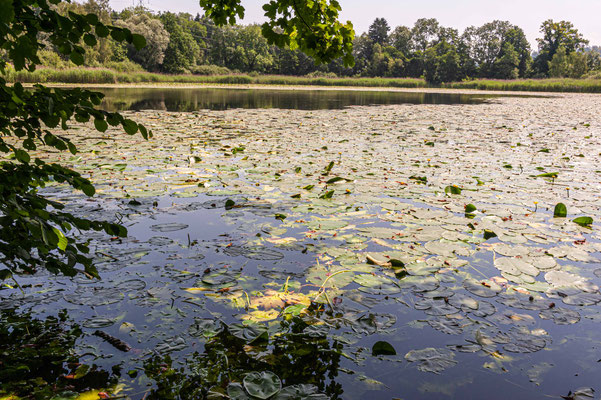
[(400, 39), (424, 34), (182, 52), (378, 31), (157, 39), (441, 63), (556, 35)]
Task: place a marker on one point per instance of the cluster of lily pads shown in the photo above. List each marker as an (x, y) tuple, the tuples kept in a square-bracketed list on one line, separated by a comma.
[(475, 222)]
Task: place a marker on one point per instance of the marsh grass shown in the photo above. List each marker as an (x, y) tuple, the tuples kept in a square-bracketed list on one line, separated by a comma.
[(107, 76)]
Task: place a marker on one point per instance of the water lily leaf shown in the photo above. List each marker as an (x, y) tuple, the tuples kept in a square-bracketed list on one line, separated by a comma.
[(300, 392), (168, 227), (561, 316), (448, 326), (262, 385), (583, 221), (249, 332), (452, 189), (254, 252), (205, 328), (431, 359), (236, 392), (376, 284), (481, 288), (171, 345), (560, 210), (582, 299), (97, 296), (98, 322), (515, 266), (382, 348), (435, 307), (521, 340), (581, 394)]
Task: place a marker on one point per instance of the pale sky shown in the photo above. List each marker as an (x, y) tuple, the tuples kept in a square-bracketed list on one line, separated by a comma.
[(528, 14)]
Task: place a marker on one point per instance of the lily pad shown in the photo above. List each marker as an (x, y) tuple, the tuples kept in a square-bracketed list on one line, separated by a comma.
[(431, 359), (262, 385)]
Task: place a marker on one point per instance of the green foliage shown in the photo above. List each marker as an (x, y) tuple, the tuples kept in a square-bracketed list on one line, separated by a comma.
[(378, 31), (441, 63), (564, 65), (157, 39), (37, 355), (555, 36), (305, 360), (34, 228), (182, 51)]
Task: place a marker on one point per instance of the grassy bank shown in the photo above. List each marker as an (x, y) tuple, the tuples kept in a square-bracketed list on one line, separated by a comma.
[(107, 76), (532, 85)]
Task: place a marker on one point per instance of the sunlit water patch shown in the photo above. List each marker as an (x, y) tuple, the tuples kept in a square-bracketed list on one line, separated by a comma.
[(382, 252)]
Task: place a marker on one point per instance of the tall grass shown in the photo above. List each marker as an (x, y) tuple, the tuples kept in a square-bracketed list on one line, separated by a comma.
[(107, 76), (532, 85)]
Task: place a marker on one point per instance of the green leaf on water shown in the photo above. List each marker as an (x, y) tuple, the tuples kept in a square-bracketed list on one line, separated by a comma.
[(334, 180), (560, 210), (583, 221), (383, 348), (327, 195), (229, 203), (452, 189), (328, 168), (262, 385), (548, 175), (469, 208)]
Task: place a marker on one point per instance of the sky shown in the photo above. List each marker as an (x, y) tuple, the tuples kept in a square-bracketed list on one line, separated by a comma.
[(527, 14)]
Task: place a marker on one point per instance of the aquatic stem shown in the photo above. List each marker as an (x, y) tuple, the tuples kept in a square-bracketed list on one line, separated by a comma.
[(286, 285), (322, 289)]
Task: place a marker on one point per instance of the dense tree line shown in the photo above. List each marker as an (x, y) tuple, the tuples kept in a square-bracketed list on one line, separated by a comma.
[(183, 43)]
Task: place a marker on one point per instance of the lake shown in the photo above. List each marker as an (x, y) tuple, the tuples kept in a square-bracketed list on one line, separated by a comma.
[(193, 99), (339, 245)]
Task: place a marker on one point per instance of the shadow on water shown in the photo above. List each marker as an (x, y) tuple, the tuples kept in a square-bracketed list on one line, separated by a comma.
[(186, 99)]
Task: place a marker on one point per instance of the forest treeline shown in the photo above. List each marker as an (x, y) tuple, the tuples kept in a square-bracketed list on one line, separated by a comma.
[(184, 43)]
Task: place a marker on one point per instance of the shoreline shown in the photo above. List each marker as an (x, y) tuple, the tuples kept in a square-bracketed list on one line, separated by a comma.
[(188, 86)]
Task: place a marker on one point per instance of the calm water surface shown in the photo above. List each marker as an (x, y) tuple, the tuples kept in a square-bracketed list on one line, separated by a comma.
[(185, 99), (157, 261)]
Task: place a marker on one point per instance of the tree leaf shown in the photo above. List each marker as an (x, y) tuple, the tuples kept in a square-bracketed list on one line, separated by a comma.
[(100, 125)]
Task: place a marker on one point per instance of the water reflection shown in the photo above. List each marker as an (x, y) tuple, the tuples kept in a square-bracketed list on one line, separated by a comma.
[(187, 99)]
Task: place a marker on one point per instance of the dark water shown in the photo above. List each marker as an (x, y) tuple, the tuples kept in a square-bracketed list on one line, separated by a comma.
[(186, 99)]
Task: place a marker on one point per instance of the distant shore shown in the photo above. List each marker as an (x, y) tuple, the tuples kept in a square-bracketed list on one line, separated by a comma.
[(93, 76)]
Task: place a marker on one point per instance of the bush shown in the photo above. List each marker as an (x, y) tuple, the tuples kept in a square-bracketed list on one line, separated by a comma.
[(210, 70), (124, 66), (321, 74)]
